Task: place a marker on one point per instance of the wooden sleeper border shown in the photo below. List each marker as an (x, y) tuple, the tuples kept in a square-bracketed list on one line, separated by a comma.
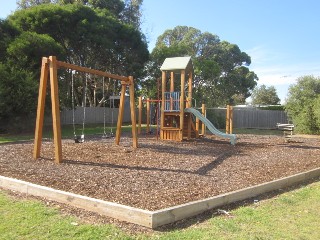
[(153, 219)]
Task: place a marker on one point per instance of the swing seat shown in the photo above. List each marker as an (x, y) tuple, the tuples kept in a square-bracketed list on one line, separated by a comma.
[(79, 139), (105, 135)]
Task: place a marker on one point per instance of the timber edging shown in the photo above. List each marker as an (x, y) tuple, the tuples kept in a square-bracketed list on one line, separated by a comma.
[(154, 219)]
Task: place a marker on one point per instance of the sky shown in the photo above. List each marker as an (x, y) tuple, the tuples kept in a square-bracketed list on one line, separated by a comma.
[(281, 36)]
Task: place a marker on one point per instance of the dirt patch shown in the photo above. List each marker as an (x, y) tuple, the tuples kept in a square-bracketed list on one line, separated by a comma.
[(160, 174)]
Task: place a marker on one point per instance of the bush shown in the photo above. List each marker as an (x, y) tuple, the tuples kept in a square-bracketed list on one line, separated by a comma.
[(303, 104)]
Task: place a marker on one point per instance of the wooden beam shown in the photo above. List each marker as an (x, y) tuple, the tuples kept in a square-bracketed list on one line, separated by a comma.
[(92, 71), (182, 97), (40, 108), (121, 112), (163, 89), (203, 129), (231, 120), (148, 115), (172, 81), (140, 115), (55, 109), (133, 114), (189, 102), (228, 119)]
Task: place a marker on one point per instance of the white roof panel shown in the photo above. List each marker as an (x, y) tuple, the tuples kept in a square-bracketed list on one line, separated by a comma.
[(176, 63)]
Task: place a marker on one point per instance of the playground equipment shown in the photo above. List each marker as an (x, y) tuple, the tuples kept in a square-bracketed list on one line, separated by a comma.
[(176, 106), (51, 65)]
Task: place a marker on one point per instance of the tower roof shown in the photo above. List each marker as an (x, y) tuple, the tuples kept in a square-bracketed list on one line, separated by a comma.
[(177, 63)]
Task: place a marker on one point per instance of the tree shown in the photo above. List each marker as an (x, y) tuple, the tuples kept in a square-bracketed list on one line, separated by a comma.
[(75, 33), (302, 104), (98, 40), (264, 95), (220, 68)]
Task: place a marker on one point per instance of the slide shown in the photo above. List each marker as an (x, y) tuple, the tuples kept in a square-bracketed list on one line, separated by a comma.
[(210, 126)]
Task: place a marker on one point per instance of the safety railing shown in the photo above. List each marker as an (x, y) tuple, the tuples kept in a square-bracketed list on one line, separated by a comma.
[(172, 101)]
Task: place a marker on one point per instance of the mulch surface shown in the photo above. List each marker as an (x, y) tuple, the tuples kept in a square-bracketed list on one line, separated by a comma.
[(160, 174)]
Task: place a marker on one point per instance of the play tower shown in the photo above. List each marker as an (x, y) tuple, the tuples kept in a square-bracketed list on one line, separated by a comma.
[(176, 124)]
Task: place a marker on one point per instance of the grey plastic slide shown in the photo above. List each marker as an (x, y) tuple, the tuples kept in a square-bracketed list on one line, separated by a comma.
[(210, 126)]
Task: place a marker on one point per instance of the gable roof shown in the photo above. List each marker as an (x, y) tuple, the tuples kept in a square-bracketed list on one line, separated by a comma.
[(177, 63)]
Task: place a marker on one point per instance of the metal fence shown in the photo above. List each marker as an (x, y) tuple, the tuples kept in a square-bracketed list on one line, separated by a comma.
[(248, 117), (93, 115), (242, 117)]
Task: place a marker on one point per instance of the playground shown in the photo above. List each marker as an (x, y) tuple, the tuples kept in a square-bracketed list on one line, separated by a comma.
[(160, 174), (178, 166)]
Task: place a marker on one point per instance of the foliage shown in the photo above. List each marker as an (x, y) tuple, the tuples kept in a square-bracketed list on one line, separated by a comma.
[(220, 68), (128, 11), (264, 95), (303, 104), (276, 108), (87, 36), (18, 94)]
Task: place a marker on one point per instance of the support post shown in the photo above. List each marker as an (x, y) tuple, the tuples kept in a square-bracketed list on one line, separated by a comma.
[(182, 98), (203, 109), (189, 102), (231, 119), (148, 115), (172, 81), (121, 112), (40, 108), (140, 115), (133, 113), (228, 120), (55, 109), (163, 89)]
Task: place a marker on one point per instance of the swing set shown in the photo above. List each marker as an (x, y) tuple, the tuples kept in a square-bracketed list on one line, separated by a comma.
[(105, 135), (50, 66)]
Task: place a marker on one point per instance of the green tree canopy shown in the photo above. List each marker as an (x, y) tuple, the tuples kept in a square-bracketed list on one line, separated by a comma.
[(75, 33), (220, 68), (264, 95), (303, 104)]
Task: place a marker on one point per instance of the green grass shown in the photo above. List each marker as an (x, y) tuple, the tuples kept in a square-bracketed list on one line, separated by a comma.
[(66, 132), (292, 215)]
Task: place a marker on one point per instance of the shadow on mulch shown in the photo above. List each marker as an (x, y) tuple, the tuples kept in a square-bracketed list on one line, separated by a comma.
[(201, 171)]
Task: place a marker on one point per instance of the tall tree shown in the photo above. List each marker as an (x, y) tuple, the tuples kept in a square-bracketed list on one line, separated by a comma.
[(264, 95), (76, 33), (221, 68), (302, 104)]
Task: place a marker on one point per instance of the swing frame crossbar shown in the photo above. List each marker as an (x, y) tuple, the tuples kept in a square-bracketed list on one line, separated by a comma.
[(49, 67)]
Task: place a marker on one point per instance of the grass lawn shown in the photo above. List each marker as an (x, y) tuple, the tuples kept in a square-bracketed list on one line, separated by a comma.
[(291, 215), (66, 132), (92, 129)]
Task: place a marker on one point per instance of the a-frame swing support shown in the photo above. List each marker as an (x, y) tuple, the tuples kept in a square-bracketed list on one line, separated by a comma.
[(50, 66)]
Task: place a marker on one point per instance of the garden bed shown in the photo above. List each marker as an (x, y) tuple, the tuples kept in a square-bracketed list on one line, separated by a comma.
[(160, 174)]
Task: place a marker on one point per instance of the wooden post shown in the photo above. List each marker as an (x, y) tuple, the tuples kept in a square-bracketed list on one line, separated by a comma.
[(40, 109), (228, 119), (182, 98), (55, 109), (172, 81), (121, 112), (163, 89), (203, 109), (140, 115), (231, 120), (189, 103), (148, 115), (133, 114)]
